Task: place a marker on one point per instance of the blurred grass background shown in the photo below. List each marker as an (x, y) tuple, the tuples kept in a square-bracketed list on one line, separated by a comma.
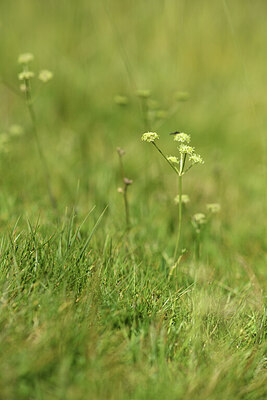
[(215, 51)]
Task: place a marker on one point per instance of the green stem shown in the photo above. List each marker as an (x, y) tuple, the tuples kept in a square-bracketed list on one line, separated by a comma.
[(180, 219), (38, 144), (165, 158)]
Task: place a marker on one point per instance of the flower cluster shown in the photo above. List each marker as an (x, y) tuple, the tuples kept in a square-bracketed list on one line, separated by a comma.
[(185, 149), (185, 199), (25, 75), (173, 159), (149, 137), (182, 137)]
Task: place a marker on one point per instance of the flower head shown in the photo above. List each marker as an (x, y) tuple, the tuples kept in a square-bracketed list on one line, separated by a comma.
[(185, 149), (25, 58), (185, 199), (173, 159), (199, 219), (25, 75), (214, 208), (149, 137), (182, 137), (196, 158), (181, 96), (45, 75)]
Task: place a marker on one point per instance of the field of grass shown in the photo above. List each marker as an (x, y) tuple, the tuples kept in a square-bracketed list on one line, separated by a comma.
[(88, 308)]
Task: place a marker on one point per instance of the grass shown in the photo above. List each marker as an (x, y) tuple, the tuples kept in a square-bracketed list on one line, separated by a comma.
[(88, 310)]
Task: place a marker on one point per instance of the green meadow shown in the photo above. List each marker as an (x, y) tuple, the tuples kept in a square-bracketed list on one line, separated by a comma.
[(94, 305)]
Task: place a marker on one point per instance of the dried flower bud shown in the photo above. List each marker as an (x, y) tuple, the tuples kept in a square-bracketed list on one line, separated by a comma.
[(120, 151), (127, 181)]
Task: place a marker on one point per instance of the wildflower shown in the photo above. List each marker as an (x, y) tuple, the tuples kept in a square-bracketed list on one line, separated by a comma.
[(25, 58), (25, 75), (120, 190), (184, 149), (121, 100), (199, 218), (182, 137), (149, 137), (15, 130), (185, 199), (45, 75), (144, 93), (196, 158), (214, 208), (173, 159)]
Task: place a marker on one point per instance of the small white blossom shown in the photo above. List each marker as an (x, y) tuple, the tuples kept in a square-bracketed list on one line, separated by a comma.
[(25, 75), (149, 137), (182, 138), (25, 58), (45, 75)]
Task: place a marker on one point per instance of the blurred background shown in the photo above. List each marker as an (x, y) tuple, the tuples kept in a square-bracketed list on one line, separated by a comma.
[(97, 50)]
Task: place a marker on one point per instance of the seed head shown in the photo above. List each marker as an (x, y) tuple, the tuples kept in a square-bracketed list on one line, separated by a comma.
[(149, 137), (25, 75), (120, 151), (127, 181), (25, 58), (182, 138)]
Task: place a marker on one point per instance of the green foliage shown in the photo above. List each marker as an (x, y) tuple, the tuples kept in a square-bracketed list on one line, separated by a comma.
[(88, 310)]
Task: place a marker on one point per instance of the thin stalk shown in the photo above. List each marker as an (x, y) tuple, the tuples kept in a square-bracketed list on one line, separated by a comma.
[(38, 144), (180, 218), (125, 187), (165, 158)]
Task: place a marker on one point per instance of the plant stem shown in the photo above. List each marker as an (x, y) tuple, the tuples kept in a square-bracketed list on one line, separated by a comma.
[(38, 144), (180, 218), (125, 198), (165, 158)]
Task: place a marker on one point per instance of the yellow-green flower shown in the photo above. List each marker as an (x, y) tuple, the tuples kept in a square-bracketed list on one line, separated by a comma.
[(45, 75), (149, 137), (200, 218), (185, 199), (25, 75), (182, 138), (121, 100), (173, 159), (196, 158), (185, 149), (25, 58)]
